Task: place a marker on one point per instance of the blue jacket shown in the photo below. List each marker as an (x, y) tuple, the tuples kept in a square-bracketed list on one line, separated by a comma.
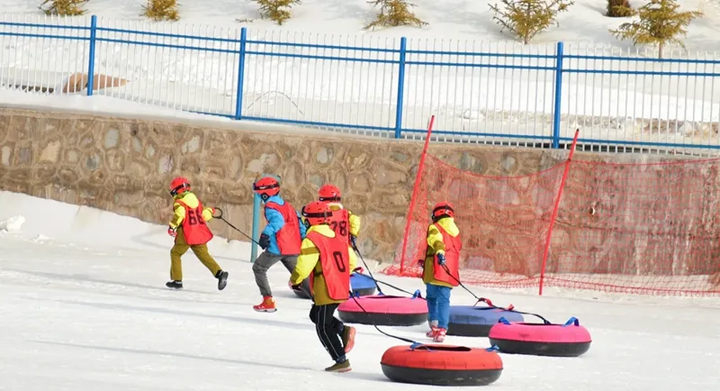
[(275, 222)]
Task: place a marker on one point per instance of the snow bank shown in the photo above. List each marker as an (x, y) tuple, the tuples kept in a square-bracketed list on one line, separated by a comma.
[(13, 224), (44, 219)]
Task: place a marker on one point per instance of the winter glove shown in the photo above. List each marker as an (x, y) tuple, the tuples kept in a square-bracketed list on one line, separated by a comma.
[(172, 231), (295, 287), (264, 241), (353, 241), (441, 259)]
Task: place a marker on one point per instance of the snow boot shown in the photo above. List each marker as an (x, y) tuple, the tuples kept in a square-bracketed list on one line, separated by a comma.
[(222, 279), (433, 329), (268, 305), (343, 366), (440, 336), (174, 284)]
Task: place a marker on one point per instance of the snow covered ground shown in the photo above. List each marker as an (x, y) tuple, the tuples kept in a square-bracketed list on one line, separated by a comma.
[(448, 19), (466, 99), (84, 307)]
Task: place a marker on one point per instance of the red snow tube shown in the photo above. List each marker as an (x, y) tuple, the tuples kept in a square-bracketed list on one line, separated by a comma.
[(384, 310), (565, 340), (441, 365)]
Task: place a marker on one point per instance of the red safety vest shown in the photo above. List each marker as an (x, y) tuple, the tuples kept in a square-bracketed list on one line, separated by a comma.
[(453, 245), (193, 225), (334, 262), (288, 237), (340, 223)]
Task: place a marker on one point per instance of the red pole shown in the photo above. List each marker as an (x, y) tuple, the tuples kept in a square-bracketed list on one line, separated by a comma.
[(416, 187), (555, 211)]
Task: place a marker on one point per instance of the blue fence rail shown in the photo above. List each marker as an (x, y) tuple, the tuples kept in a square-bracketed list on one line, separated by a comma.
[(480, 92)]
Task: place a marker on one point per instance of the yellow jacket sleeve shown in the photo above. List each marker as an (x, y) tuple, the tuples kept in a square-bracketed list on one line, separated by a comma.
[(354, 224), (207, 214), (178, 217), (435, 240), (353, 259), (307, 260)]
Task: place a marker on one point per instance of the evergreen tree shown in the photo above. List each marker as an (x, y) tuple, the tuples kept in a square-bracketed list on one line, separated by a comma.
[(63, 7), (158, 10), (526, 18), (394, 13), (276, 10), (660, 23), (619, 9)]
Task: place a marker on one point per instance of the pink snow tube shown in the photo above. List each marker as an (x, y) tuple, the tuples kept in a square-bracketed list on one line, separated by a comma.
[(566, 340), (384, 310)]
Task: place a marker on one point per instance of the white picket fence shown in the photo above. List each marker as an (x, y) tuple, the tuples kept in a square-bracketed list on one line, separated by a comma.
[(479, 91)]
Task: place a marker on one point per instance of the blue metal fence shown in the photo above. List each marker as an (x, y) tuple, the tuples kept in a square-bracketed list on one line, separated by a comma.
[(534, 94)]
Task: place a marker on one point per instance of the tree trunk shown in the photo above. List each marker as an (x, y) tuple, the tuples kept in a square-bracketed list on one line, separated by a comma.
[(660, 49)]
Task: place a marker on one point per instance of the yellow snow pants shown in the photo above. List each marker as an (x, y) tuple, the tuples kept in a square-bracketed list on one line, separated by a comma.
[(200, 250)]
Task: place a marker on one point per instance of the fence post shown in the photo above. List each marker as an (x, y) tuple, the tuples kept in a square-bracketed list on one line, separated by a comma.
[(413, 197), (558, 95), (401, 88), (255, 227), (241, 79), (546, 251), (91, 62)]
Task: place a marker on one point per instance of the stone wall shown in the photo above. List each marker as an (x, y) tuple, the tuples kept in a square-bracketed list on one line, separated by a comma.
[(125, 165)]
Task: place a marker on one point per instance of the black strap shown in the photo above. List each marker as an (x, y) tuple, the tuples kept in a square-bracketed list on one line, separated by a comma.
[(488, 302), (236, 229), (265, 187), (368, 269), (415, 345)]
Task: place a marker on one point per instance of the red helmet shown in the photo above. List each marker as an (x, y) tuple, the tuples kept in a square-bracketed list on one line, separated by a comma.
[(179, 184), (266, 187), (316, 213), (329, 193), (442, 209)]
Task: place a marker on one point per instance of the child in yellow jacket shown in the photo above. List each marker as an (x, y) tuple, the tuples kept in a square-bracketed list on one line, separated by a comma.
[(441, 268), (188, 227), (327, 259)]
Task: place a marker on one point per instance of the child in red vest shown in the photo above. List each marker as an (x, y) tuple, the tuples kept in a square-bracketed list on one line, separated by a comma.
[(280, 239), (344, 222), (441, 268), (325, 257), (190, 231)]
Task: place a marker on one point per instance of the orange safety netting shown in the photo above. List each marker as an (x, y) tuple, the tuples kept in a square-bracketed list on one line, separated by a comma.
[(503, 222), (635, 228), (638, 228)]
